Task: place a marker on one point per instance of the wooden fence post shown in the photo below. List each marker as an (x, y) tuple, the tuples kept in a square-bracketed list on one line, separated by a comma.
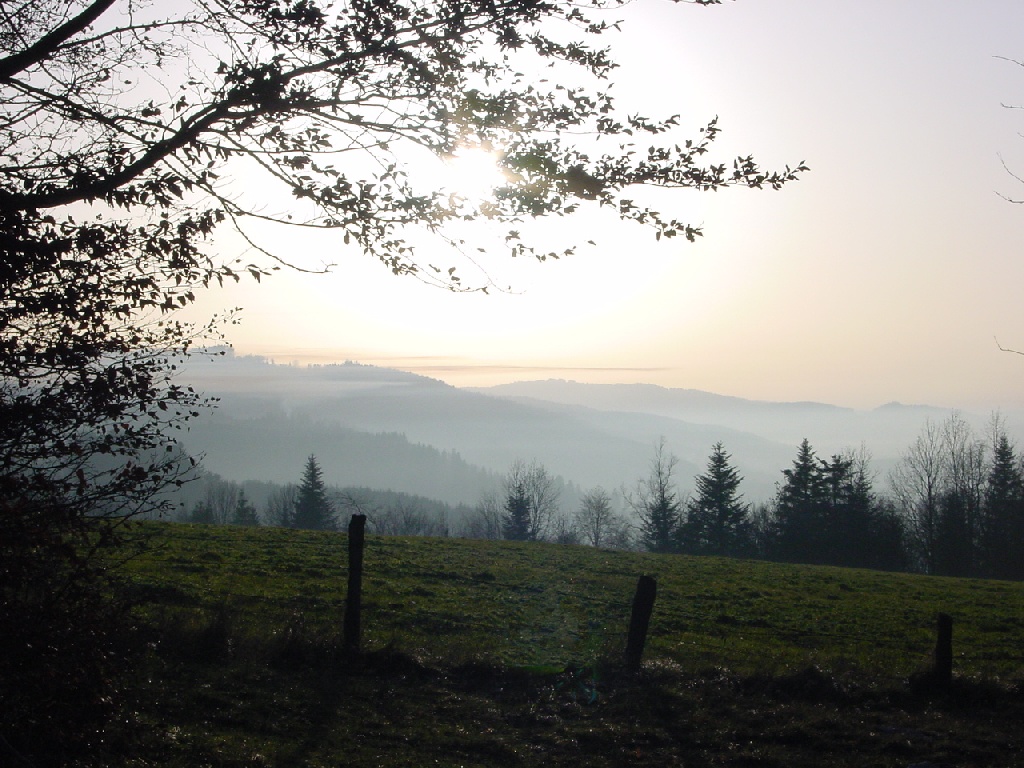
[(942, 672), (353, 599), (639, 621)]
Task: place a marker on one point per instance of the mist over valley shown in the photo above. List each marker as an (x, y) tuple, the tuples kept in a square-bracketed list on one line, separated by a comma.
[(382, 428)]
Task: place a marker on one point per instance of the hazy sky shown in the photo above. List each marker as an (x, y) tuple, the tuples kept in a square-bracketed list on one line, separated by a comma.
[(885, 274)]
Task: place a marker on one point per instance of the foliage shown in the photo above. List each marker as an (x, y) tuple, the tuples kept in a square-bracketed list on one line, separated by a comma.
[(121, 121), (599, 524), (961, 500), (655, 502), (716, 519), (1003, 526), (799, 518), (314, 510), (827, 512), (245, 512), (307, 91), (61, 648), (531, 502)]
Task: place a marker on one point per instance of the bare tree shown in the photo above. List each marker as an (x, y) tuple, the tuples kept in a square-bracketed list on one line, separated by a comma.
[(918, 482), (406, 518), (939, 485), (530, 502), (962, 508), (596, 519), (485, 520), (221, 498), (281, 505), (122, 126), (655, 502)]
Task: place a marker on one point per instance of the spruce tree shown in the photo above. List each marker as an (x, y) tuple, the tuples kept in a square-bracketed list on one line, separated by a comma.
[(847, 514), (313, 510), (515, 524), (656, 504), (1002, 534), (716, 520), (531, 502), (799, 511), (244, 513)]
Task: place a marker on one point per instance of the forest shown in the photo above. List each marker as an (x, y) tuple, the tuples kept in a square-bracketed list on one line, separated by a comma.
[(952, 506)]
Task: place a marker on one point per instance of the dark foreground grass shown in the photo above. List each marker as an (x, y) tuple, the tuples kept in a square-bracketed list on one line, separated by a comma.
[(498, 654)]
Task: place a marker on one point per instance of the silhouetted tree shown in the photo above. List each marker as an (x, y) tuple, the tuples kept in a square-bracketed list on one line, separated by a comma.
[(486, 519), (827, 512), (799, 512), (281, 506), (961, 508), (655, 502), (847, 534), (201, 513), (940, 487), (596, 520), (244, 512), (530, 502), (716, 518), (313, 509), (918, 482), (1002, 539), (114, 155)]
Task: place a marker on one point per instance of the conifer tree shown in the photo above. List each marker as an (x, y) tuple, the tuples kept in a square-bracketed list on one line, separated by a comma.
[(202, 513), (515, 524), (531, 502), (656, 503), (313, 510), (244, 513), (716, 520), (847, 517), (1002, 537), (798, 510)]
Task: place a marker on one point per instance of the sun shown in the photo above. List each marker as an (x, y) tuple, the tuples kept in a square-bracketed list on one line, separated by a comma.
[(473, 172)]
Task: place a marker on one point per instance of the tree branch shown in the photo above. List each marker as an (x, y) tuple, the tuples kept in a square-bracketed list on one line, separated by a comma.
[(47, 44)]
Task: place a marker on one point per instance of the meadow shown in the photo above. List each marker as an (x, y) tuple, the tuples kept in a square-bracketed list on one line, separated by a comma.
[(480, 653)]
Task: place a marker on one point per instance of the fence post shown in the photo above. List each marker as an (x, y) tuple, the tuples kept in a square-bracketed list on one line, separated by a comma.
[(353, 599), (639, 620), (942, 672)]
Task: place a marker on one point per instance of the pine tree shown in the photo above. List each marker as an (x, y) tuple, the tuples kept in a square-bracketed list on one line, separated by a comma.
[(1002, 542), (244, 513), (531, 502), (515, 524), (848, 510), (799, 511), (656, 504), (202, 513), (313, 510), (716, 519)]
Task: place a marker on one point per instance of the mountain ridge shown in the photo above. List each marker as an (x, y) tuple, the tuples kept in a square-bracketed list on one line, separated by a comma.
[(589, 434)]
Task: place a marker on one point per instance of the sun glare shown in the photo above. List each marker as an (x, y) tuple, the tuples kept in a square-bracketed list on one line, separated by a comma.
[(473, 172)]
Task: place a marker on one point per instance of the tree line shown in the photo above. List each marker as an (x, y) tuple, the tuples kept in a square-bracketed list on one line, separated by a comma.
[(124, 124), (953, 505)]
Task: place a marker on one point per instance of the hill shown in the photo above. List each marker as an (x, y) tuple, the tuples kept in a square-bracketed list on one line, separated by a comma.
[(887, 430), (497, 654), (422, 436)]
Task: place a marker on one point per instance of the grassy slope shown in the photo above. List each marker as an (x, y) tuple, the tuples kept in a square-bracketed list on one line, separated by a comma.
[(494, 653)]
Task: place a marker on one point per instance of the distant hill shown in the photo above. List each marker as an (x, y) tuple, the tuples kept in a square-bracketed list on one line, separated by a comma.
[(383, 428), (252, 439), (886, 430)]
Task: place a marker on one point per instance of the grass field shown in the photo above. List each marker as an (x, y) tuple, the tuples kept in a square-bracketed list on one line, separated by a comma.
[(505, 654)]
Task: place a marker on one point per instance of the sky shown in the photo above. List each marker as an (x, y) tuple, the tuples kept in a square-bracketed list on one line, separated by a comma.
[(889, 272)]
